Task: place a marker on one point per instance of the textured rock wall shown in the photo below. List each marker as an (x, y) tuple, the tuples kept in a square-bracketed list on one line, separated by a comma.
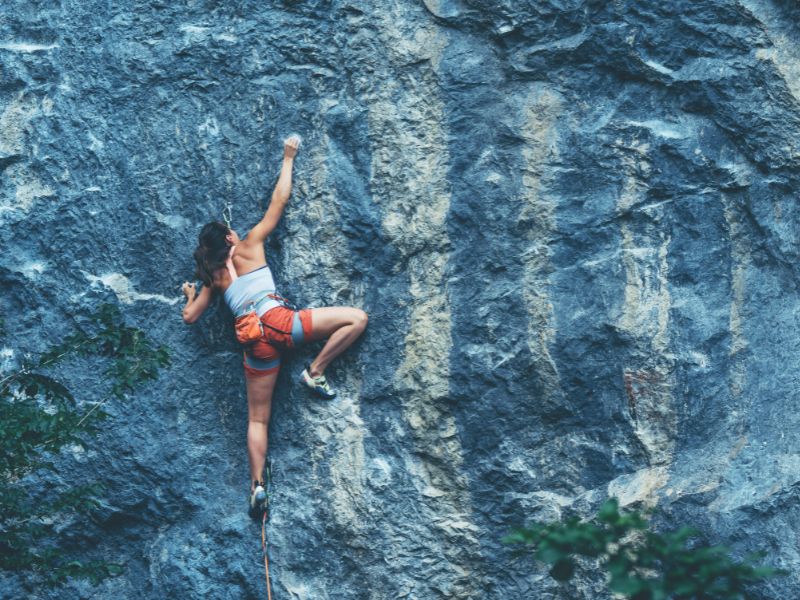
[(573, 223)]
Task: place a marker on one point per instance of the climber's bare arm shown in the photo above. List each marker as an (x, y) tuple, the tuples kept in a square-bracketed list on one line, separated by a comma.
[(280, 196), (196, 304)]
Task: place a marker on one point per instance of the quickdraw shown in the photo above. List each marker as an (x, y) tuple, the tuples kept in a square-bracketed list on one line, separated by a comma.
[(227, 214)]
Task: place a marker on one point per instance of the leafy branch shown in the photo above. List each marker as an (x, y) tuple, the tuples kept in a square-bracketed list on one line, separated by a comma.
[(38, 417), (642, 564)]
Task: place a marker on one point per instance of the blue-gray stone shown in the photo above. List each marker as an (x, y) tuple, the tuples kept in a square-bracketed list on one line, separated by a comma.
[(574, 226)]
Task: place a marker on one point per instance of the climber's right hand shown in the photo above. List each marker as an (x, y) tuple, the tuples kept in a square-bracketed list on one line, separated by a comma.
[(189, 290)]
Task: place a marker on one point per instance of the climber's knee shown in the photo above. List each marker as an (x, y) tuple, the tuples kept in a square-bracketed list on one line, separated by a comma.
[(361, 319)]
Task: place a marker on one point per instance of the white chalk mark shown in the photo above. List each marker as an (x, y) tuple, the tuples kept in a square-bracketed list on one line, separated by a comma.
[(26, 47), (27, 192), (123, 289), (173, 221), (658, 67), (226, 37), (663, 129), (209, 127), (193, 29), (32, 269), (94, 143)]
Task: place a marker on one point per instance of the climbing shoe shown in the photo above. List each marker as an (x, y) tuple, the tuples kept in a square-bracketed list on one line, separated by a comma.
[(258, 500), (318, 384)]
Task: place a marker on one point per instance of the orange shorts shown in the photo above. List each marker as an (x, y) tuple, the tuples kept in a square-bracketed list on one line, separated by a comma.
[(283, 329)]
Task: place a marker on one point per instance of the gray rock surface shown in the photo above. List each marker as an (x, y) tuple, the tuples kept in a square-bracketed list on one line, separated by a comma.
[(573, 223)]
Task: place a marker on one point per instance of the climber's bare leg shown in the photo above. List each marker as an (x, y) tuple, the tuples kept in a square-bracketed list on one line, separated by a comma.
[(342, 325), (259, 408)]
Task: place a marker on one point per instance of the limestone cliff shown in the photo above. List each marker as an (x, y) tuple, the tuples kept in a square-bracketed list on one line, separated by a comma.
[(574, 225)]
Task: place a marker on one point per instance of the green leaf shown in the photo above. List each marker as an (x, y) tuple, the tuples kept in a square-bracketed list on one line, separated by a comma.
[(38, 416), (609, 511), (643, 564), (563, 569), (627, 585), (518, 536)]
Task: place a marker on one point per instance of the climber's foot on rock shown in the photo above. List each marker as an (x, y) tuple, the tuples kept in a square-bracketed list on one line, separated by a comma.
[(258, 500), (318, 384)]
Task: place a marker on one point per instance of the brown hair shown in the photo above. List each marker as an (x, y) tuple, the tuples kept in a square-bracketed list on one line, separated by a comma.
[(212, 250)]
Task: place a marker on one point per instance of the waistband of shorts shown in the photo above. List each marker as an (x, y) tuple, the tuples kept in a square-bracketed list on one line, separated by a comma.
[(266, 304)]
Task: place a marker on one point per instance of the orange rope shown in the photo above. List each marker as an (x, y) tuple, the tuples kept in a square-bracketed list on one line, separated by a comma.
[(264, 549)]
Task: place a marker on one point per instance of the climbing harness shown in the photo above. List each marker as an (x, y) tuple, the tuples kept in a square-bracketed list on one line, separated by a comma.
[(249, 327), (283, 301)]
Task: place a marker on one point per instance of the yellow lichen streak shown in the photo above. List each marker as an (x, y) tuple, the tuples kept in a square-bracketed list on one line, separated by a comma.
[(538, 214), (740, 262), (783, 53), (410, 182), (336, 429), (648, 378), (14, 121)]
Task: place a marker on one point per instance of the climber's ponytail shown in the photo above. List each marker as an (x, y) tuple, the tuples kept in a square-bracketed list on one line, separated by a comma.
[(212, 250)]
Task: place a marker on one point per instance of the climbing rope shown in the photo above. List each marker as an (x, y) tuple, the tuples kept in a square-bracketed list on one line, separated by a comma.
[(266, 554), (264, 520), (227, 211)]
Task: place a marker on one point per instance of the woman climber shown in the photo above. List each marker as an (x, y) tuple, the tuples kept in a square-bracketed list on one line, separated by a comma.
[(238, 269)]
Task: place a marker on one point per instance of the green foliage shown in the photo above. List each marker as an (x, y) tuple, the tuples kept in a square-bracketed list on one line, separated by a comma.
[(38, 417), (642, 564)]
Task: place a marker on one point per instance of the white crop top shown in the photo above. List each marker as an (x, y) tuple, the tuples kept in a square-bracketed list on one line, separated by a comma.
[(251, 287)]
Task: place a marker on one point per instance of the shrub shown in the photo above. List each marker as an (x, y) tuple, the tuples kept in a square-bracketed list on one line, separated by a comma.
[(38, 417), (642, 564)]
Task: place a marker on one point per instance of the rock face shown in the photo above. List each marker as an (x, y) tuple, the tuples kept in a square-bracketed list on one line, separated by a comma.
[(573, 223)]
